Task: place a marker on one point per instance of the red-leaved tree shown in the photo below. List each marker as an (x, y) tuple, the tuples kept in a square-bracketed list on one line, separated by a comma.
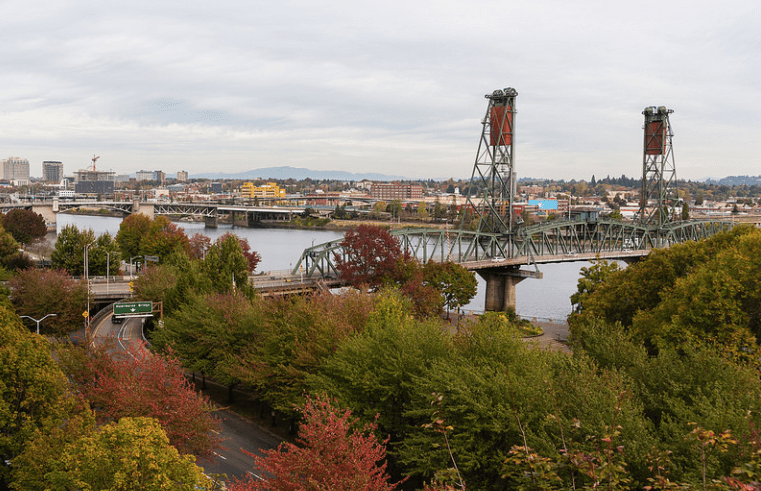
[(332, 454), (139, 383), (370, 256)]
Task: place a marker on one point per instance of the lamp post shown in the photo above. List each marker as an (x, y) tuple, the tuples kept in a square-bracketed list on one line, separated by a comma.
[(87, 284), (38, 320), (108, 268)]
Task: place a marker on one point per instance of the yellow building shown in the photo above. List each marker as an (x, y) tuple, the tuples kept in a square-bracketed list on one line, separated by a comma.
[(269, 190)]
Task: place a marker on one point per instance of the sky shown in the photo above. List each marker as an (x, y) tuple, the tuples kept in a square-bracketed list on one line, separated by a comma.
[(395, 87)]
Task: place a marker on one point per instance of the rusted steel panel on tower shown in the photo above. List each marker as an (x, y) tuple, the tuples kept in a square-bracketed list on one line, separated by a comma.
[(655, 137), (501, 118)]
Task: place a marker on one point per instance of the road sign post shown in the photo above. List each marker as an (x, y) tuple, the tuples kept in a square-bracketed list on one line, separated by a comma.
[(133, 309)]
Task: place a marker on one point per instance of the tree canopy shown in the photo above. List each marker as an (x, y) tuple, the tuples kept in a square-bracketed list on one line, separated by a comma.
[(25, 226)]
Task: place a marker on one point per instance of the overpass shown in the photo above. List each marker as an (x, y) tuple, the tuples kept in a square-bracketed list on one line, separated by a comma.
[(246, 216)]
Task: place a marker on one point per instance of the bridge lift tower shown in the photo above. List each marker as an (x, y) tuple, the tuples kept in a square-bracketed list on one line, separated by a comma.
[(658, 169), (493, 178)]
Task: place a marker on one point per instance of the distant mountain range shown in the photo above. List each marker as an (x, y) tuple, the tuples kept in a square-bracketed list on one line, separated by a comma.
[(299, 174), (736, 181)]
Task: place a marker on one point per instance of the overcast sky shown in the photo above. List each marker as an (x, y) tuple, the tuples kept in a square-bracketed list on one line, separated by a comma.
[(395, 86)]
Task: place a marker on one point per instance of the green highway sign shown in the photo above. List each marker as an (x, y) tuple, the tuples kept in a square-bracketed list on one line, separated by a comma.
[(132, 308)]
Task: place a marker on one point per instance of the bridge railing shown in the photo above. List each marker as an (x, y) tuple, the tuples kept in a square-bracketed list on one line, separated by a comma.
[(555, 239)]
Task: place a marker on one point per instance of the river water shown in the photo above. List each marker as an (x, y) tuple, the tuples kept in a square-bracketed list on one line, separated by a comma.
[(280, 249)]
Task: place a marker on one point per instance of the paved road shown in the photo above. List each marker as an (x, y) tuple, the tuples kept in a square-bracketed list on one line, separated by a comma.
[(236, 432)]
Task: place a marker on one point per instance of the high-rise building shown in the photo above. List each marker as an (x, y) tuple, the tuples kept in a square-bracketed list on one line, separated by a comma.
[(16, 169), (182, 176), (52, 171), (94, 182), (144, 175)]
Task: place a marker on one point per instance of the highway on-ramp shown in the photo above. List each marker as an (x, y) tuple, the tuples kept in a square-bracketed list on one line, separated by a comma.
[(236, 432)]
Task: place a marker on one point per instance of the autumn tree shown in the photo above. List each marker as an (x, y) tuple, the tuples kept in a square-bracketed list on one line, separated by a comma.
[(163, 238), (370, 256), (139, 383), (140, 235), (133, 453), (31, 387), (25, 226), (333, 452), (38, 292), (198, 246)]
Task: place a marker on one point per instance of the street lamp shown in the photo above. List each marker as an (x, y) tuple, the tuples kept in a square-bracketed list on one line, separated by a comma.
[(38, 320)]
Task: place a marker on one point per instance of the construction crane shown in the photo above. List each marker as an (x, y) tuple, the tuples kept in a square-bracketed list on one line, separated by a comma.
[(94, 158)]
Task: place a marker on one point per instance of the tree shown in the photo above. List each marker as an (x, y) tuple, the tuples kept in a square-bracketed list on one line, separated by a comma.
[(70, 249), (227, 266), (103, 256), (25, 226), (210, 333), (199, 246), (131, 454), (370, 256), (456, 284), (31, 387), (334, 453), (131, 232), (143, 384), (295, 339), (163, 238), (38, 292)]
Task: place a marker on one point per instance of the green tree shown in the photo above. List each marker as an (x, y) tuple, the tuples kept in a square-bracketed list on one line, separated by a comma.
[(69, 252), (226, 265), (132, 230), (103, 256), (455, 283), (209, 333), (296, 338)]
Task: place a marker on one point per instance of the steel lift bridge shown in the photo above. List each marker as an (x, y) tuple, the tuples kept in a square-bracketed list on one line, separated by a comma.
[(495, 242)]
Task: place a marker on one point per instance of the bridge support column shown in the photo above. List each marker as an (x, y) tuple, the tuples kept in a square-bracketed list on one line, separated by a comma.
[(210, 222), (500, 286)]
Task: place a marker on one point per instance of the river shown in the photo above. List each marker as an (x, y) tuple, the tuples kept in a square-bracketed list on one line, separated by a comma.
[(280, 249)]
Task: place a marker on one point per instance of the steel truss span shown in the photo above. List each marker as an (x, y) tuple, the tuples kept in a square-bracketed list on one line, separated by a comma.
[(550, 242)]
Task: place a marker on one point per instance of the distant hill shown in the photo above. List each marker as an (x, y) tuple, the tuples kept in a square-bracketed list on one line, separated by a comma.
[(299, 174), (737, 181)]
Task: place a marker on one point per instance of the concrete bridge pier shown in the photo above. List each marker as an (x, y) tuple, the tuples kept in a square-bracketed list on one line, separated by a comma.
[(500, 286), (211, 222)]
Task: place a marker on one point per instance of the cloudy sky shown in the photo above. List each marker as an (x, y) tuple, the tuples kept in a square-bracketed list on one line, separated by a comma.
[(395, 86)]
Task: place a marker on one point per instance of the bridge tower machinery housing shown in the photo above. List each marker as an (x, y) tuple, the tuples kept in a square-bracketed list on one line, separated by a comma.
[(493, 182), (658, 197)]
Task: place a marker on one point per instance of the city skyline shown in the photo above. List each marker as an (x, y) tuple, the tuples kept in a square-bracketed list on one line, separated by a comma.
[(395, 88)]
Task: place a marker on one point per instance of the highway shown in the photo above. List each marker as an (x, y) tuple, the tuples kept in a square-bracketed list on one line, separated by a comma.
[(236, 432)]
